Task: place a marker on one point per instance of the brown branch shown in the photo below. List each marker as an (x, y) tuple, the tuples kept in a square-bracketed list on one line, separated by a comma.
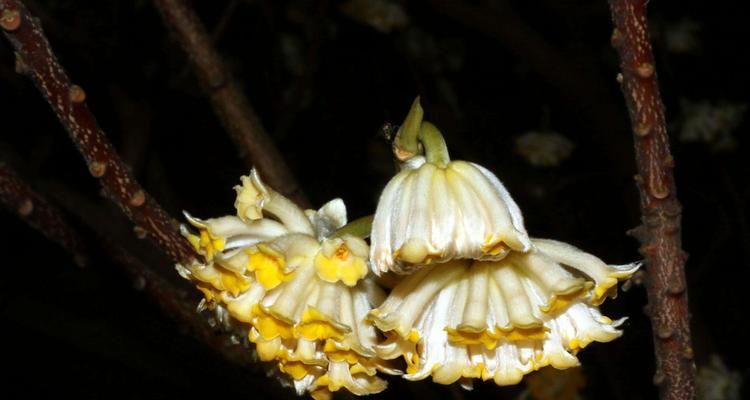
[(229, 102), (36, 59), (47, 218), (659, 235), (18, 197)]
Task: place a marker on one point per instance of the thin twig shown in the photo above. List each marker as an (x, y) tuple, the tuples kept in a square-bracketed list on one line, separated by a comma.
[(229, 102), (18, 197), (659, 234), (36, 59)]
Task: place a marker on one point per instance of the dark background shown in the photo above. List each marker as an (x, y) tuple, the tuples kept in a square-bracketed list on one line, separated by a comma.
[(323, 80)]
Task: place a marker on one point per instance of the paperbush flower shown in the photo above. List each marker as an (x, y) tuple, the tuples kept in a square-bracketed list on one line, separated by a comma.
[(301, 291), (473, 298), (436, 210), (499, 320)]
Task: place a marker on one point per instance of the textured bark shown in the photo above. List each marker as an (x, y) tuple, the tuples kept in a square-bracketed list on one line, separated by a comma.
[(229, 103), (35, 58), (659, 234)]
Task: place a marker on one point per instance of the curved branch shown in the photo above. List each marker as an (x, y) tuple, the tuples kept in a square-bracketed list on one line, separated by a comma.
[(659, 234), (229, 103), (36, 59)]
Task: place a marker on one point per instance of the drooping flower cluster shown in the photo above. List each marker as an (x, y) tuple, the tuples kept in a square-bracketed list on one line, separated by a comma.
[(299, 288), (474, 296), (483, 300)]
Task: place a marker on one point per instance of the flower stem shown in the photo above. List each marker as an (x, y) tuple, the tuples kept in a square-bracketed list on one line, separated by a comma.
[(436, 152)]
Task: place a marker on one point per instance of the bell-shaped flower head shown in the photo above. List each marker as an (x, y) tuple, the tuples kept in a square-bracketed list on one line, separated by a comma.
[(436, 210)]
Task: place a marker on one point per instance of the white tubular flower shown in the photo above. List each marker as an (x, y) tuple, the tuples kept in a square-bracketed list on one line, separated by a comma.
[(298, 284), (498, 320), (314, 322), (217, 235), (436, 210), (255, 199)]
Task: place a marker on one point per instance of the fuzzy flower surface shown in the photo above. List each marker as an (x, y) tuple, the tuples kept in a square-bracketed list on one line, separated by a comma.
[(300, 290)]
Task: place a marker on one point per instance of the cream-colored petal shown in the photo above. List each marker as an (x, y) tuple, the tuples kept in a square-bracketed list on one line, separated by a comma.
[(605, 276), (431, 214), (329, 218)]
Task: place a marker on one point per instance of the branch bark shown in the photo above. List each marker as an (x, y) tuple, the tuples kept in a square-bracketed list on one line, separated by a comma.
[(47, 218), (40, 214), (35, 58), (659, 234), (229, 103)]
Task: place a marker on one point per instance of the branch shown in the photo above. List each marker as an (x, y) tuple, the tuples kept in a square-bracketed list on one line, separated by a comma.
[(229, 103), (659, 235), (36, 59), (47, 218), (40, 214)]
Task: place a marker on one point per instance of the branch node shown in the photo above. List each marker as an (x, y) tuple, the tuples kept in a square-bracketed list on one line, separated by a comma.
[(76, 94), (10, 19), (98, 169), (658, 189), (137, 199), (642, 129), (140, 233), (26, 208), (664, 333), (645, 70), (688, 354), (677, 289)]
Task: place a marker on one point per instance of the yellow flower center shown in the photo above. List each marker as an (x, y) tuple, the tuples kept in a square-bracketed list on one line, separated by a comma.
[(206, 244), (271, 327), (268, 266), (296, 369), (494, 247), (315, 326), (340, 265), (490, 339), (561, 302)]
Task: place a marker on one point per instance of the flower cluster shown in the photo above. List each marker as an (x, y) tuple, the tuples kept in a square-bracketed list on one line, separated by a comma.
[(472, 295), (297, 285)]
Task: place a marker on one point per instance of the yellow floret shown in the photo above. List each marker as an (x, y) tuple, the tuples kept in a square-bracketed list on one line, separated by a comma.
[(268, 266)]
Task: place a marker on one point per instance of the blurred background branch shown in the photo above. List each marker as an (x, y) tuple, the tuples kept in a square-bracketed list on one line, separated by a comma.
[(230, 104)]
